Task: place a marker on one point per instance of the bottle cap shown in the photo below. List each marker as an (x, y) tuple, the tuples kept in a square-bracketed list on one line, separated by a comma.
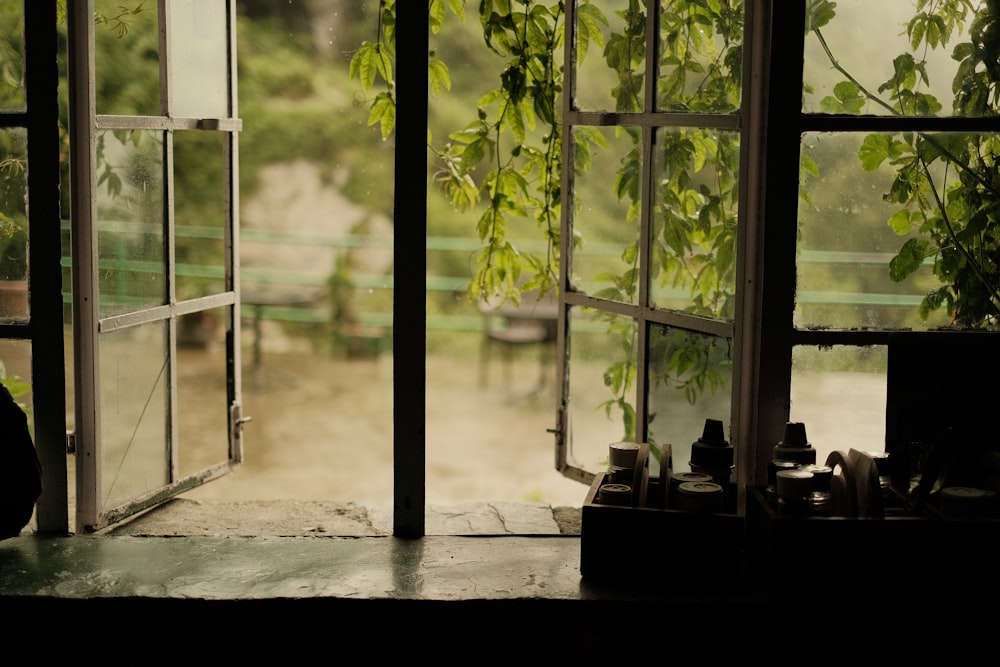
[(711, 450), (795, 446), (794, 484), (700, 497), (623, 454)]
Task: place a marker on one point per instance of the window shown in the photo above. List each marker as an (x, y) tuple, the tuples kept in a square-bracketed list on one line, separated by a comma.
[(784, 202), (718, 281), (135, 234)]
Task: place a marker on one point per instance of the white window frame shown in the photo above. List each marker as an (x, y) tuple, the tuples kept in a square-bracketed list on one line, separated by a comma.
[(88, 323)]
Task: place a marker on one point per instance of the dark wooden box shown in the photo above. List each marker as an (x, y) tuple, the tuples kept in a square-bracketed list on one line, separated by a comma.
[(648, 547), (899, 558)]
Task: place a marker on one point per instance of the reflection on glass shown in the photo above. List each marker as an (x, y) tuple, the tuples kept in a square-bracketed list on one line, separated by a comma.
[(126, 58), (134, 448), (701, 57), (874, 250), (694, 221), (130, 220), (12, 98), (611, 55), (606, 200), (199, 47), (13, 225), (202, 410), (601, 385), (873, 44), (690, 380), (839, 393), (199, 213)]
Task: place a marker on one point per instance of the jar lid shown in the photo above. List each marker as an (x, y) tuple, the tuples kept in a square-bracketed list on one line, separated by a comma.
[(615, 494), (623, 454), (700, 497), (794, 484)]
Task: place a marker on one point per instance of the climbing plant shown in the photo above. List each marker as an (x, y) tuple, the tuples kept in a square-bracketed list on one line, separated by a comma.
[(945, 185)]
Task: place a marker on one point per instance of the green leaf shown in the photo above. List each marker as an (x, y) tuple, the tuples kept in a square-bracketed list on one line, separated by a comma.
[(909, 259), (874, 151), (365, 64), (900, 222), (440, 77), (819, 13), (383, 113)]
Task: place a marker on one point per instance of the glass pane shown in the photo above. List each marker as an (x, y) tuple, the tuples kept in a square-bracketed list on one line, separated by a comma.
[(12, 98), (127, 58), (611, 56), (601, 385), (199, 213), (942, 73), (839, 394), (13, 225), (130, 220), (606, 200), (134, 394), (202, 408), (701, 56), (690, 380), (876, 249), (694, 221), (199, 58)]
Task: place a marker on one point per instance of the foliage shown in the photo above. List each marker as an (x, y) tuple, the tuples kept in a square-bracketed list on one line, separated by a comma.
[(17, 387), (945, 185), (522, 165)]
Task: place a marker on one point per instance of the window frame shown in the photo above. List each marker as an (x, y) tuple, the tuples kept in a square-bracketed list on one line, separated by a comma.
[(44, 326), (89, 323), (747, 120)]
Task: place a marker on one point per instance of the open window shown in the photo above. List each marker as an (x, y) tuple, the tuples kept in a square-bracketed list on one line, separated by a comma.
[(653, 242), (143, 427)]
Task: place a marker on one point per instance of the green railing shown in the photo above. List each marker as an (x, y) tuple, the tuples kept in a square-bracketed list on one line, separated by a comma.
[(461, 315)]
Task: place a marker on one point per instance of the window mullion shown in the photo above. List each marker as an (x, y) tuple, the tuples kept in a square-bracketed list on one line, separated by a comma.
[(782, 129)]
